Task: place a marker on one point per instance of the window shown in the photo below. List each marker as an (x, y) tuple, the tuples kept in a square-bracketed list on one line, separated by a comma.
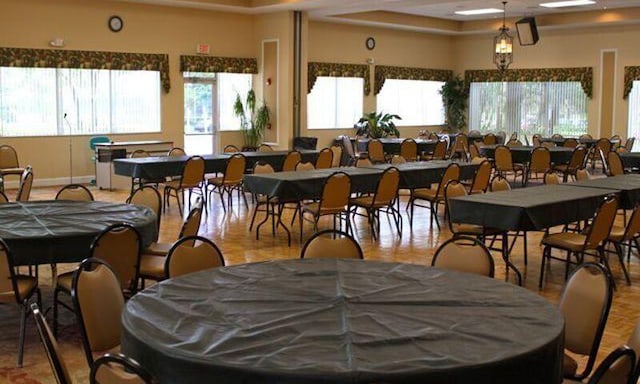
[(229, 86), (633, 129), (49, 102), (528, 108), (335, 102), (418, 102)]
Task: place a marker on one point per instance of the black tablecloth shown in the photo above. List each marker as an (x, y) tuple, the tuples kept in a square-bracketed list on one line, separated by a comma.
[(559, 155), (527, 209), (153, 168), (421, 174), (586, 142), (43, 232), (630, 159), (628, 187), (342, 321), (299, 185), (392, 145)]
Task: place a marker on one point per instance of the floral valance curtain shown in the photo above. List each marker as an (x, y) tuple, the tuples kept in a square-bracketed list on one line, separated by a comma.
[(384, 72), (631, 74), (56, 58), (218, 64), (583, 74), (338, 70)]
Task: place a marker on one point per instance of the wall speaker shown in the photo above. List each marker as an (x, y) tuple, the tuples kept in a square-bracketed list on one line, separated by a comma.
[(527, 31)]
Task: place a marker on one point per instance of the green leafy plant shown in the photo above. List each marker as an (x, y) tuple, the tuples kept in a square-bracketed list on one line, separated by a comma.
[(252, 121), (376, 125), (454, 97)]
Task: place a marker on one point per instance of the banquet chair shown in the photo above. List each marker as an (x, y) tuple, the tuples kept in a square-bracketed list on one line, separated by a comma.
[(489, 139), (331, 243), (74, 192), (264, 148), (514, 143), (302, 166), (230, 148), (536, 140), (363, 162), (118, 245), (261, 168), (603, 145), (570, 143), (16, 288), (575, 162), (347, 147), (585, 303), (551, 178), (409, 149), (549, 144), (540, 163), (613, 165), (376, 151), (397, 159), (57, 363), (291, 160), (192, 254), (460, 147), (9, 164), (152, 259), (439, 152), (334, 201), (474, 152), (617, 368), (384, 197), (464, 254), (628, 145), (578, 244), (3, 198), (98, 303), (230, 181), (626, 235), (481, 179), (26, 181), (499, 183), (119, 369), (148, 196), (191, 180), (585, 136), (557, 136), (176, 151), (504, 163), (433, 196), (336, 159), (582, 174), (325, 159)]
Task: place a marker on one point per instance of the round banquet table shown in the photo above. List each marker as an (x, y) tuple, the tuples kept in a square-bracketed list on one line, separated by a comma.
[(57, 231), (342, 321)]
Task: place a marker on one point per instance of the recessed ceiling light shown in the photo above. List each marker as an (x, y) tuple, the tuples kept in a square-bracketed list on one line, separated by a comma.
[(484, 11), (570, 3)]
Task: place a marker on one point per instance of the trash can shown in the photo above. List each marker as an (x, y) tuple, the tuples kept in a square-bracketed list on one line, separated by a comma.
[(305, 142)]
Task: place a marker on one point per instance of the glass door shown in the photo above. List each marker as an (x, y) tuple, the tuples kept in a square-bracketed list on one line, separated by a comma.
[(200, 116)]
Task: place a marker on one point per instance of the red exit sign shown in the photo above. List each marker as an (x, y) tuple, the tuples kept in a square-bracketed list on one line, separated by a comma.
[(203, 49)]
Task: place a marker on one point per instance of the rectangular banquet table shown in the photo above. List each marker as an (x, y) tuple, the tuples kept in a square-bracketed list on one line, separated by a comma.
[(153, 168), (303, 185), (528, 209), (421, 174), (392, 145), (320, 321), (630, 160), (522, 155), (627, 186)]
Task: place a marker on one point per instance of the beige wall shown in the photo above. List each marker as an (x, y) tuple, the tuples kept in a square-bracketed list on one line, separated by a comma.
[(341, 43), (148, 29)]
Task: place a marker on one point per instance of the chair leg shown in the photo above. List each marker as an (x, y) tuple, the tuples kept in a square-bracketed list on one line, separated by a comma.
[(621, 259), (23, 320), (56, 292)]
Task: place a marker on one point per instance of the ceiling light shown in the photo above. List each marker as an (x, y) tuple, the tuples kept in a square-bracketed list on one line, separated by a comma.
[(571, 3), (483, 11), (503, 44)]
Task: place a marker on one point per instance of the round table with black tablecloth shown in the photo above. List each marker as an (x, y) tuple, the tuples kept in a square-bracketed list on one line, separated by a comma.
[(342, 321), (43, 232)]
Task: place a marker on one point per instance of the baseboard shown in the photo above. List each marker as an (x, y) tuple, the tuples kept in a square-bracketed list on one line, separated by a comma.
[(13, 183)]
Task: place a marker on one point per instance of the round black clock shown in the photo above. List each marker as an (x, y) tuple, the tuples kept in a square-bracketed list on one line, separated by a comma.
[(370, 43), (116, 24)]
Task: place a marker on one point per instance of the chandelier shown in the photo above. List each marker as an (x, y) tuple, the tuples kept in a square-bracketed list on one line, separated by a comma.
[(503, 43)]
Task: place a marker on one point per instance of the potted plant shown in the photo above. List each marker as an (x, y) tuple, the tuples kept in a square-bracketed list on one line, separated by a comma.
[(454, 98), (252, 121), (376, 125)]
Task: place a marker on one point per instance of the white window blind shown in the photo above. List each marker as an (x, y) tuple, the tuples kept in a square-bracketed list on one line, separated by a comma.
[(418, 102), (229, 85), (528, 108), (633, 128), (335, 102), (35, 101)]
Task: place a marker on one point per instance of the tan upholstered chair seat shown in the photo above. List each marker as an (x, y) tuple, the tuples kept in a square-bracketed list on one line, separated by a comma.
[(115, 374), (314, 207), (566, 240), (64, 281), (221, 181), (26, 284), (569, 365), (174, 184), (12, 171), (472, 229), (617, 233), (425, 193), (159, 249), (152, 265), (367, 201)]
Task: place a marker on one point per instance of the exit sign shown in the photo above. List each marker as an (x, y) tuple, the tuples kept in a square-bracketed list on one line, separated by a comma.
[(203, 49)]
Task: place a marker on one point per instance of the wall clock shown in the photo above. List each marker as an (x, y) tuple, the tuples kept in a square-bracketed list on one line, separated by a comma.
[(370, 43), (115, 24)]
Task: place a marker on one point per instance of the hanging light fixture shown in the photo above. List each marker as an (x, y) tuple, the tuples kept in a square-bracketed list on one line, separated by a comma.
[(503, 43)]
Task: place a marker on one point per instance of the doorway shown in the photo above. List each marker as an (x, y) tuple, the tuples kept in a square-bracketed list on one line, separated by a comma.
[(200, 130)]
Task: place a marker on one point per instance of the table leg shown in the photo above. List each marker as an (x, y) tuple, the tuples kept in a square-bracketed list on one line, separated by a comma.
[(505, 257)]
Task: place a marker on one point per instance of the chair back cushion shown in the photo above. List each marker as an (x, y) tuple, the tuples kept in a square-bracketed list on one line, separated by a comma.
[(451, 173), (74, 192), (409, 149), (503, 159), (236, 166), (602, 222), (292, 159), (464, 254), (336, 192), (376, 151), (8, 157), (192, 254), (540, 160), (336, 160), (119, 246), (614, 162), (191, 225), (147, 196), (482, 178), (193, 172), (331, 244), (325, 159)]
